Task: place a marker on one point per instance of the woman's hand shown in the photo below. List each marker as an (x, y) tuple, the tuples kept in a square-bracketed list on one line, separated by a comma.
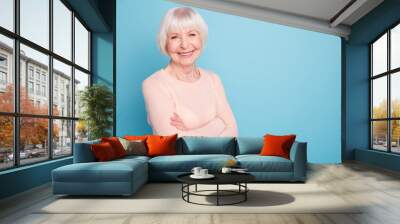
[(177, 122)]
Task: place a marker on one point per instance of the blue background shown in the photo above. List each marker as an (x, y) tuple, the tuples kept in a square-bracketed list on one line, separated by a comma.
[(278, 79)]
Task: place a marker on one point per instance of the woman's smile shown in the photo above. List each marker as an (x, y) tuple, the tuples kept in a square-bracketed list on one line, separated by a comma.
[(186, 53)]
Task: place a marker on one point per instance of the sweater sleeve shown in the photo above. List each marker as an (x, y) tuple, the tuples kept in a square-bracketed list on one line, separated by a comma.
[(224, 110), (160, 107)]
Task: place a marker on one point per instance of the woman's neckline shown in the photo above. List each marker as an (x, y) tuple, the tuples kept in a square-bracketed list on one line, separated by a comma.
[(170, 76)]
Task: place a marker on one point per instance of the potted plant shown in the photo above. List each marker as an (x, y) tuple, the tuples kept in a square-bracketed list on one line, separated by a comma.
[(96, 102)]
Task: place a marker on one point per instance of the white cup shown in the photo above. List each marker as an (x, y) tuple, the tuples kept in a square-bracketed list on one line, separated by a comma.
[(196, 171), (203, 172), (226, 170)]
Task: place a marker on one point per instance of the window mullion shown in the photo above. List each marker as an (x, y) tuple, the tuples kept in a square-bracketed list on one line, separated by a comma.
[(73, 82), (389, 104), (371, 137), (50, 87), (16, 83)]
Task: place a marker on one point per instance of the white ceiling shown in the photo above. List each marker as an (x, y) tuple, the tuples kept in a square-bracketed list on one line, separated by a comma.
[(319, 9), (324, 16)]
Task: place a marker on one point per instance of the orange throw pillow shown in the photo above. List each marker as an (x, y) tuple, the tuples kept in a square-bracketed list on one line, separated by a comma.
[(116, 145), (135, 138), (103, 151), (161, 145), (277, 145)]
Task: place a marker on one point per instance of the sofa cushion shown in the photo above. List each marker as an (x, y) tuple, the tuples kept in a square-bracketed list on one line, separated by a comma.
[(161, 145), (277, 145), (83, 152), (249, 145), (116, 145), (134, 147), (191, 145), (132, 158), (111, 171), (103, 152), (257, 163), (185, 163), (135, 137)]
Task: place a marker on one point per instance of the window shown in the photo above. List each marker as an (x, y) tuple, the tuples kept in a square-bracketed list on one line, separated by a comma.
[(3, 72), (44, 91), (62, 140), (81, 45), (43, 77), (30, 87), (44, 131), (34, 21), (62, 74), (7, 14), (30, 72), (62, 29), (37, 89), (38, 73), (385, 91), (6, 73), (81, 81), (3, 78), (6, 142), (3, 61)]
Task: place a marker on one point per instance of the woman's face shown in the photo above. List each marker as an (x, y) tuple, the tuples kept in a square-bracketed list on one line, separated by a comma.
[(184, 46)]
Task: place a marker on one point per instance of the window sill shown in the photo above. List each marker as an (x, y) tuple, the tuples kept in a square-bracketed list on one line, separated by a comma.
[(25, 167), (382, 159)]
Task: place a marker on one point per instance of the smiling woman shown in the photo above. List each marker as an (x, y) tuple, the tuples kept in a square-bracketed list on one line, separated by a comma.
[(183, 98)]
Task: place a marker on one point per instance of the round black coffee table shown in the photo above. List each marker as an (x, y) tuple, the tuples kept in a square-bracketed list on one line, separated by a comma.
[(238, 179)]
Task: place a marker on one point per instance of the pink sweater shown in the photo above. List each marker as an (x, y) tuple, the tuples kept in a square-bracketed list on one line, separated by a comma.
[(202, 105)]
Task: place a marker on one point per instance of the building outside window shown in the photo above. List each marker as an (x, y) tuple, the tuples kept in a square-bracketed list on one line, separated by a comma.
[(34, 81)]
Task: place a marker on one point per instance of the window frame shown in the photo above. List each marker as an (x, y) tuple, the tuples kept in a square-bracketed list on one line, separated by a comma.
[(388, 74), (16, 115)]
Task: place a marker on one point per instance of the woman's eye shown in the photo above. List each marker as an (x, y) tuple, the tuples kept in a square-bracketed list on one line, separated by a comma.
[(173, 37), (192, 35)]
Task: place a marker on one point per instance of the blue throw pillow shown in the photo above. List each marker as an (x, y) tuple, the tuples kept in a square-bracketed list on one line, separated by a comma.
[(249, 145), (192, 145), (83, 153)]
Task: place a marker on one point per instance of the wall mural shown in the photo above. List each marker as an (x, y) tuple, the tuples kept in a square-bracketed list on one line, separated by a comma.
[(183, 98)]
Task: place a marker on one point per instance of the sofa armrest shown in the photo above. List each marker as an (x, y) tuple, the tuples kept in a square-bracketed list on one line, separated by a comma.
[(83, 152), (298, 155)]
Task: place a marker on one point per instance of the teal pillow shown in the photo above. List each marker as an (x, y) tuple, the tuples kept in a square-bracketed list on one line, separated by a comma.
[(191, 145), (249, 145), (83, 152)]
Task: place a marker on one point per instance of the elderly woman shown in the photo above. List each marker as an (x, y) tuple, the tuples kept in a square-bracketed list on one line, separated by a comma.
[(183, 98)]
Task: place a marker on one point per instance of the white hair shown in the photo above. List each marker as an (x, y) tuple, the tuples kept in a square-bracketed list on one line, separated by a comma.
[(178, 19)]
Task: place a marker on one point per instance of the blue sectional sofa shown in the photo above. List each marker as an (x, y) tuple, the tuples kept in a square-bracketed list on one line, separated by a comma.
[(125, 176)]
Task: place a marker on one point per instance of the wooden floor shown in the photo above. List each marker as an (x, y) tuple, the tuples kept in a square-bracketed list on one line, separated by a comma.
[(377, 188)]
